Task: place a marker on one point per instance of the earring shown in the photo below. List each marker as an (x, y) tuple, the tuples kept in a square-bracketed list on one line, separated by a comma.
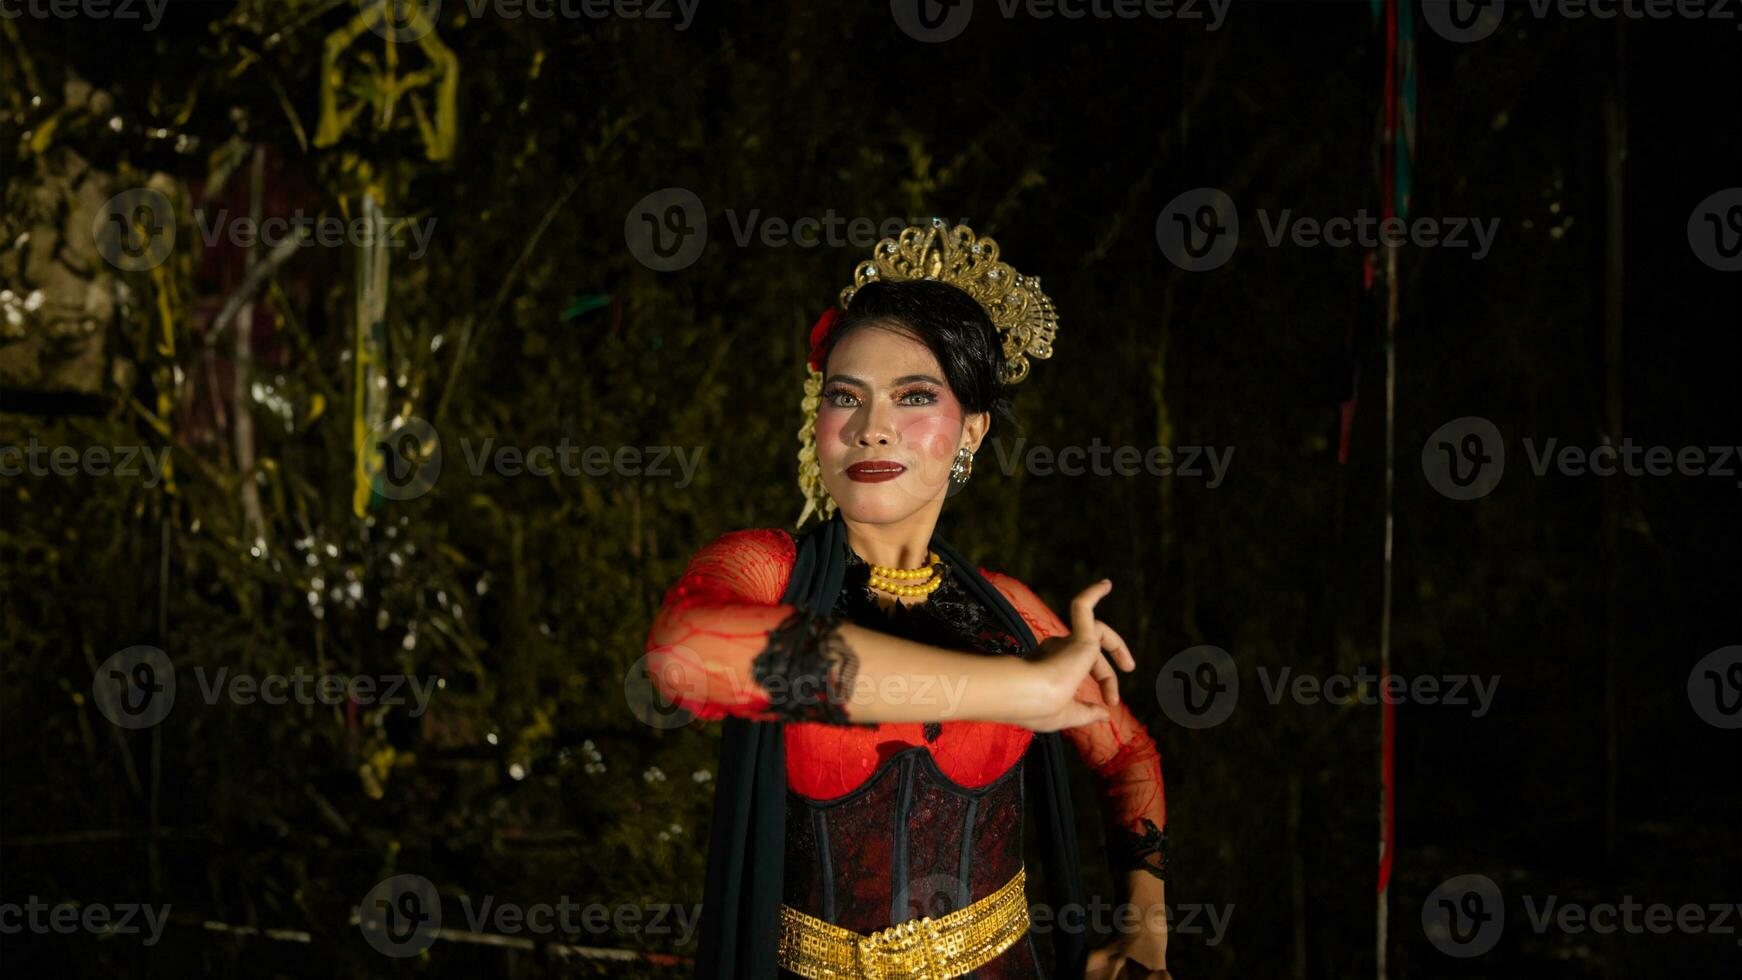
[(963, 467)]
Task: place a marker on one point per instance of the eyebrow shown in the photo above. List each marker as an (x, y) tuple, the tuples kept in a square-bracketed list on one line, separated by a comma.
[(904, 379)]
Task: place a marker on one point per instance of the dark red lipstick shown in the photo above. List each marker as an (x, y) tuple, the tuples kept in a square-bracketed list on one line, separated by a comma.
[(875, 471)]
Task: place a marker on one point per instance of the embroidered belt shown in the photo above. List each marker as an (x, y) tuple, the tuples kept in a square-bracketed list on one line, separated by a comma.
[(918, 949)]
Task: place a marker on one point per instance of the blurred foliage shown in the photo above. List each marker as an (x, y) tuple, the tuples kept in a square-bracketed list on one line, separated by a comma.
[(528, 322)]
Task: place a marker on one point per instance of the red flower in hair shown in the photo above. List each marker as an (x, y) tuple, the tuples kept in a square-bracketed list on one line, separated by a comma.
[(820, 332)]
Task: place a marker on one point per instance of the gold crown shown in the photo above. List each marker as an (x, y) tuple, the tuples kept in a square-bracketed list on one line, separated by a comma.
[(1023, 316)]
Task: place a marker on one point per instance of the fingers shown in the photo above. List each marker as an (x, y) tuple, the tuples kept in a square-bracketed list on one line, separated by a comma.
[(1137, 968), (1079, 713), (1109, 964), (1084, 625), (1115, 644), (1083, 608), (1101, 965), (1109, 681), (1086, 714)]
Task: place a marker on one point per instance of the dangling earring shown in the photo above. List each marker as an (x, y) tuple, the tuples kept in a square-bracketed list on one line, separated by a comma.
[(963, 467)]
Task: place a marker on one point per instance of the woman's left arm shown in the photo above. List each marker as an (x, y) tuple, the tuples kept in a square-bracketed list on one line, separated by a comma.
[(1127, 768)]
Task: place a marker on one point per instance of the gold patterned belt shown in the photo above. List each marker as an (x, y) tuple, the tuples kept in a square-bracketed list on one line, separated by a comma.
[(918, 949)]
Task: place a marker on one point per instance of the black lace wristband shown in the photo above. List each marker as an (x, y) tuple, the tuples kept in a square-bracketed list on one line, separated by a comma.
[(807, 669), (1143, 852)]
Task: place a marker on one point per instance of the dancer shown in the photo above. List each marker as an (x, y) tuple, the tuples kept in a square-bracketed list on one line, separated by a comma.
[(894, 712)]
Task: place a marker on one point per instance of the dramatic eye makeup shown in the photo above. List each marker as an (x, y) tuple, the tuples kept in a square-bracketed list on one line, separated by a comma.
[(917, 395), (832, 392), (911, 390)]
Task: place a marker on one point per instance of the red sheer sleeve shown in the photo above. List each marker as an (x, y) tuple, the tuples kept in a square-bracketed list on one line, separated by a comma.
[(722, 643), (1119, 751)]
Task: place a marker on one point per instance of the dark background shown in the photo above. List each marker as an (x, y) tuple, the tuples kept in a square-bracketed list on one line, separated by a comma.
[(1594, 778)]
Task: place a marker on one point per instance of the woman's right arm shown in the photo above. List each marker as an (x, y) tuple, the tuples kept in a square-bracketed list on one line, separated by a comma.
[(724, 644), (716, 619)]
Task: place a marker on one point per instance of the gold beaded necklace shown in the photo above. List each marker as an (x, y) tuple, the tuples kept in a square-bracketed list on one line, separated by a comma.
[(902, 581)]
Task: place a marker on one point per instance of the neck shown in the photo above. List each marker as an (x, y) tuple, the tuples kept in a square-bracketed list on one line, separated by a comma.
[(900, 545)]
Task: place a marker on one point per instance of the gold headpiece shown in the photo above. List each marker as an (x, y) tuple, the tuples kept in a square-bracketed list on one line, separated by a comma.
[(1023, 315)]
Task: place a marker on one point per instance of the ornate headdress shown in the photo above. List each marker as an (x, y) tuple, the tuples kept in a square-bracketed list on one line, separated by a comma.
[(1023, 315)]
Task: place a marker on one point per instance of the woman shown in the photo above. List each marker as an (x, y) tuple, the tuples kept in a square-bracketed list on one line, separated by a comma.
[(891, 708)]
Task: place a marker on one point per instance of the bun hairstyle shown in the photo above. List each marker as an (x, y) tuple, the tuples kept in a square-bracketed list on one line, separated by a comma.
[(950, 323)]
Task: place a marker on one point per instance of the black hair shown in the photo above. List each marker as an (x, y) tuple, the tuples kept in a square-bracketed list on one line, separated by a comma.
[(951, 324)]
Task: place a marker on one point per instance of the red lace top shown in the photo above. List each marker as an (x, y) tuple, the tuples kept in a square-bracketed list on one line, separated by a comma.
[(718, 617)]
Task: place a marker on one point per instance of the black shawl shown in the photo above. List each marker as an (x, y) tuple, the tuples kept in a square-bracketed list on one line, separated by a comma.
[(746, 847)]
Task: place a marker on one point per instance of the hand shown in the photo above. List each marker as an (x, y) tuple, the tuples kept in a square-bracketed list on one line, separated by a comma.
[(1057, 671), (1129, 958)]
